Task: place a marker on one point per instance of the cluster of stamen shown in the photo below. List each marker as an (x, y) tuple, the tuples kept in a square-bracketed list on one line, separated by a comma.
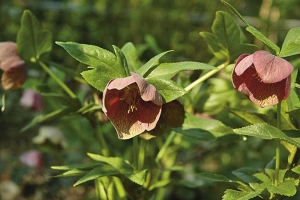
[(131, 95)]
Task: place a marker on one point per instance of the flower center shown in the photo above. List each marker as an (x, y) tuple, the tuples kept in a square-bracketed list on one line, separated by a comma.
[(131, 96)]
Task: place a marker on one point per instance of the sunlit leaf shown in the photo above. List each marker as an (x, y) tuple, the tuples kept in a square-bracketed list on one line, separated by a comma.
[(151, 63), (131, 55), (169, 70), (291, 43), (268, 132), (203, 129), (168, 89), (240, 195), (263, 38)]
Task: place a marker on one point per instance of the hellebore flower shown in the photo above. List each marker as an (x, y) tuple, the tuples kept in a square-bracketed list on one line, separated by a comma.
[(263, 77), (132, 105), (32, 100), (32, 159), (15, 73)]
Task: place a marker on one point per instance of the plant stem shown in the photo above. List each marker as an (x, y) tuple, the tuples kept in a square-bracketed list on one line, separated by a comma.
[(165, 146), (205, 76), (135, 152), (58, 81), (277, 161)]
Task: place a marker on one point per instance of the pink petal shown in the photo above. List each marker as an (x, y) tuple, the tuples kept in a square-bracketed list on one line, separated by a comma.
[(14, 78), (243, 63), (120, 83), (270, 68), (148, 91)]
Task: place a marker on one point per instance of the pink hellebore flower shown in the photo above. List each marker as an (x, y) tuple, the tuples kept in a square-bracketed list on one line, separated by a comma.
[(263, 77), (15, 73), (132, 105), (32, 159), (32, 100)]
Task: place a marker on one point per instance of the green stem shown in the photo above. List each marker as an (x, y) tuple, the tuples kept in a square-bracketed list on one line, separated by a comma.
[(165, 146), (205, 76), (58, 81), (135, 152), (277, 161), (103, 145), (142, 152)]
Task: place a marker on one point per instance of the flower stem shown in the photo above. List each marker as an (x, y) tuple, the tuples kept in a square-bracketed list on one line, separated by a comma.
[(277, 161), (135, 152), (58, 81), (165, 146), (205, 76)]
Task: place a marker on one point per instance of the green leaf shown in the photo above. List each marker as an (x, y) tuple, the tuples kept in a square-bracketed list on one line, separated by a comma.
[(98, 172), (89, 54), (32, 39), (234, 11), (122, 166), (72, 173), (131, 55), (226, 38), (240, 195), (78, 166), (212, 177), (168, 89), (116, 162), (286, 188), (121, 60), (268, 132), (296, 169), (48, 117), (252, 118), (203, 129), (291, 43), (217, 49), (151, 63), (247, 175), (263, 38), (98, 78), (169, 70)]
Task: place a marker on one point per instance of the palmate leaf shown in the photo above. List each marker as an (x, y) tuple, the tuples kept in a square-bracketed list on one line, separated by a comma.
[(32, 39), (225, 41), (291, 43), (105, 65)]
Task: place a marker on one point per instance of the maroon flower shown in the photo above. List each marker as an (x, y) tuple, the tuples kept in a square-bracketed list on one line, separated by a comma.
[(132, 105), (15, 73), (32, 100), (263, 77)]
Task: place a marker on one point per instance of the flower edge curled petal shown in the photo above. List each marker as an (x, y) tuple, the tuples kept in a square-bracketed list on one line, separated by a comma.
[(270, 68), (148, 92), (14, 78), (120, 83), (243, 62)]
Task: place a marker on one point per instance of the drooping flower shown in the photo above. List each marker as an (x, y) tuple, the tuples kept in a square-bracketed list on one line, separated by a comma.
[(263, 77), (32, 100), (132, 105), (14, 70)]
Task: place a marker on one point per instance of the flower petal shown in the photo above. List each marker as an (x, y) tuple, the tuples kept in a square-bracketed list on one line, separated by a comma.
[(14, 78), (120, 83), (243, 63), (260, 93), (270, 68), (148, 91)]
